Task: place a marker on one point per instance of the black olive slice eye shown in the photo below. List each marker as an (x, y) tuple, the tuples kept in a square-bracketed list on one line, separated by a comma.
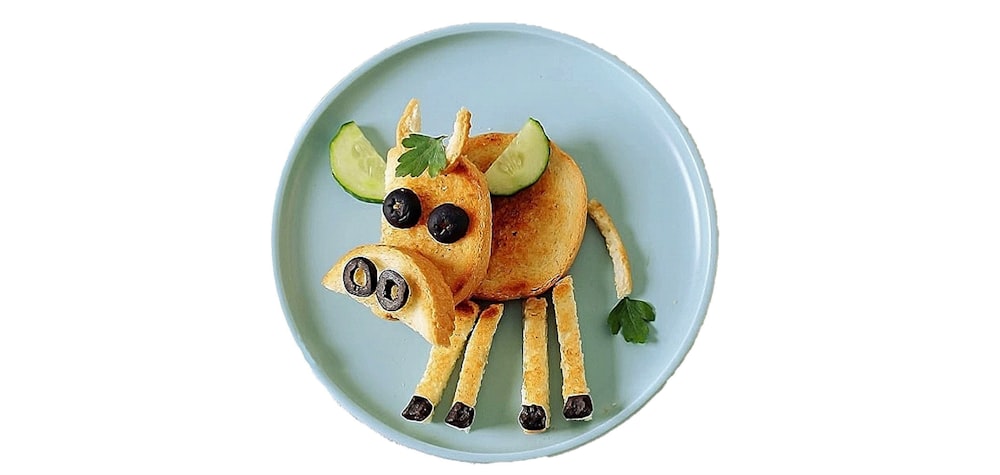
[(392, 291), (359, 277), (401, 208), (448, 223)]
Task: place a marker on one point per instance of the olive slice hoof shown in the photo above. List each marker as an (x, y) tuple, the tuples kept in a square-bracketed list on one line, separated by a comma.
[(460, 416), (418, 410), (532, 418), (578, 407)]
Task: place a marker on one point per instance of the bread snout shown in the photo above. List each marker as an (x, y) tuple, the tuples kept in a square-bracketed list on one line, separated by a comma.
[(386, 277)]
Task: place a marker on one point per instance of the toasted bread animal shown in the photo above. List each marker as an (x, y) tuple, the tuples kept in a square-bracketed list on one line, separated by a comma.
[(462, 263), (426, 306), (537, 231)]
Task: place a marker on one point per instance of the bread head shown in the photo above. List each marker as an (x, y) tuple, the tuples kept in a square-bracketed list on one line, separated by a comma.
[(462, 263), (428, 309), (537, 232)]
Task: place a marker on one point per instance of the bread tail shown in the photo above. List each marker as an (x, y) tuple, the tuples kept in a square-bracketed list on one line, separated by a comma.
[(616, 248)]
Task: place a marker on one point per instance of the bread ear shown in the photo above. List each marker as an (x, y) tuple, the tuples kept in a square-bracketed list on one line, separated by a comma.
[(409, 123), (460, 134)]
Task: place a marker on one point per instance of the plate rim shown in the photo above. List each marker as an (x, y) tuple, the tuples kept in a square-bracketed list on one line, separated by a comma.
[(705, 196)]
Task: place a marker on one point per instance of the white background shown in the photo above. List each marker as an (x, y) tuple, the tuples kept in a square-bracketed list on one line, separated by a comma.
[(852, 149)]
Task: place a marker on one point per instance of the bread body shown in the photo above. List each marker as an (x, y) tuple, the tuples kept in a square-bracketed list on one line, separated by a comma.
[(536, 232)]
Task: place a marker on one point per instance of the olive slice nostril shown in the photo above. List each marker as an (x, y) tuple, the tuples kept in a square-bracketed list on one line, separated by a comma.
[(401, 208), (359, 277), (391, 291), (448, 223)]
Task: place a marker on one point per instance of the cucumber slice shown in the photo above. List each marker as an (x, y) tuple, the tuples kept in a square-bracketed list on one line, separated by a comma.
[(356, 165), (521, 163)]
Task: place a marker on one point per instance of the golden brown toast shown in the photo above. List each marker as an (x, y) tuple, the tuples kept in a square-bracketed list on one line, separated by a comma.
[(537, 231), (616, 248), (428, 309), (462, 263), (577, 403), (440, 364), (535, 416)]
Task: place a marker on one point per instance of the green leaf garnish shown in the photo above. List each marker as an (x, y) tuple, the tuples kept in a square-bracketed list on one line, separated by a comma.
[(631, 317), (425, 153)]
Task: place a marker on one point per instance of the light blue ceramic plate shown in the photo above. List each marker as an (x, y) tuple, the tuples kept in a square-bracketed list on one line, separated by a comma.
[(637, 158)]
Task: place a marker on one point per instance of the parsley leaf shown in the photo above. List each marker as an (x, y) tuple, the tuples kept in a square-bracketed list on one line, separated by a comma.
[(631, 317), (425, 153)]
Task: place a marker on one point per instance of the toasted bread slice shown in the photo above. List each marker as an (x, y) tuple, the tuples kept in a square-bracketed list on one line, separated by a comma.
[(440, 364), (462, 263), (534, 416), (537, 231), (470, 378), (577, 403), (619, 258), (428, 308)]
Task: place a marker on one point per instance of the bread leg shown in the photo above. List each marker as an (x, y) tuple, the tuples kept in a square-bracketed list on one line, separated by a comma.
[(534, 416), (440, 364), (463, 410), (577, 404)]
